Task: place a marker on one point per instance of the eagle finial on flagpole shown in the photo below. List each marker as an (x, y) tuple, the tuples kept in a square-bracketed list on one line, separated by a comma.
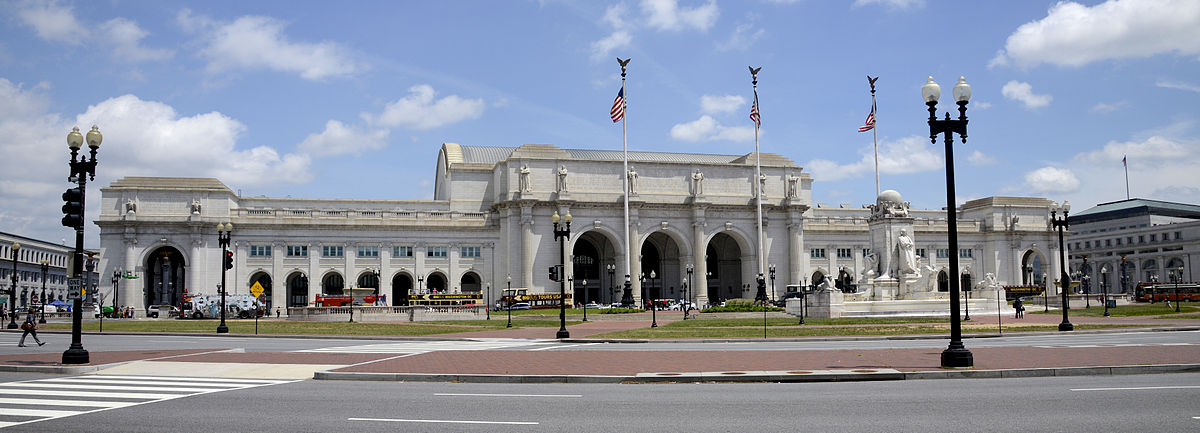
[(872, 81), (623, 63), (754, 73)]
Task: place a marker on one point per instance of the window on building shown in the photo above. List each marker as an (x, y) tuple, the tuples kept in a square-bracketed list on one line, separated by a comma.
[(297, 250), (260, 251), (921, 253), (401, 251), (435, 252), (1178, 236), (1153, 238), (1141, 239), (843, 253), (943, 253), (332, 251), (866, 252), (816, 253), (1087, 244), (1166, 237), (1108, 242), (471, 252), (368, 251), (965, 253)]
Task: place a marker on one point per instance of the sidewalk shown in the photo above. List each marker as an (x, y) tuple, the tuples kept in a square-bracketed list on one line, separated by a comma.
[(612, 366)]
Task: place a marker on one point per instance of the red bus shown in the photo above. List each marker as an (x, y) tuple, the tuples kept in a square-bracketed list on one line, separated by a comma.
[(1160, 292)]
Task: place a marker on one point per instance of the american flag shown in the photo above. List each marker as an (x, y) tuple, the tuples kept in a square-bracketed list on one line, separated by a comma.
[(870, 123), (754, 111), (618, 108)]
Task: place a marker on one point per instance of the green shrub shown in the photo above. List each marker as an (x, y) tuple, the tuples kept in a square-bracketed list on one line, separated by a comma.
[(738, 305)]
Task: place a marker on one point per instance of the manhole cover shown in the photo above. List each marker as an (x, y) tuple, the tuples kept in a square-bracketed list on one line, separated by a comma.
[(862, 371), (799, 372)]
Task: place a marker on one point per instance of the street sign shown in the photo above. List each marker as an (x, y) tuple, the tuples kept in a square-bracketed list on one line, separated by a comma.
[(256, 289), (74, 282)]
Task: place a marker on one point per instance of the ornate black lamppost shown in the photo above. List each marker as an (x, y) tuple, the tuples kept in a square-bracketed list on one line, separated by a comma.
[(1086, 280), (82, 168), (1045, 293), (585, 298), (12, 290), (224, 232), (1124, 275), (45, 268), (1178, 279), (612, 283), (1104, 287), (956, 355), (1061, 224), (488, 308), (116, 279), (508, 295), (561, 234), (683, 295), (771, 270)]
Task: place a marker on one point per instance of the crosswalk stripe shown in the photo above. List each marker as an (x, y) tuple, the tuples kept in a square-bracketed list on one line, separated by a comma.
[(191, 379), (114, 387), (102, 381), (79, 403), (53, 393), (39, 412)]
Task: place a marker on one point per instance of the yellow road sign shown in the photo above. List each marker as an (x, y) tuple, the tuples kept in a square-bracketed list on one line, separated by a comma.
[(256, 289)]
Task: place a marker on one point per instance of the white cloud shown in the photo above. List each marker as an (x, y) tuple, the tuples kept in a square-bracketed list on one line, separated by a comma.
[(1023, 92), (253, 42), (980, 105), (603, 48), (1072, 34), (894, 4), (744, 35), (141, 138), (615, 16), (125, 37), (1104, 107), (980, 158), (339, 138), (712, 104), (52, 21), (419, 110), (708, 129), (1153, 149), (1178, 85), (667, 15), (1052, 180), (907, 155)]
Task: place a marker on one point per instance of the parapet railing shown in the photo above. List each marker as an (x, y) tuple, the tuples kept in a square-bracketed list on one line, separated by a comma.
[(371, 313)]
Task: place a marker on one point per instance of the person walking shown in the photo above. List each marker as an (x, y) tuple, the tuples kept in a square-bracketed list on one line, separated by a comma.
[(30, 328)]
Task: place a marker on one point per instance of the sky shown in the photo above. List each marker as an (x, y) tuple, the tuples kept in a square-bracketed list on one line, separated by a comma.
[(354, 99)]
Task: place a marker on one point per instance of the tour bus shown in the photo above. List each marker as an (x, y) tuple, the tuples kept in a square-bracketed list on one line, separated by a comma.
[(445, 299), (536, 300), (1159, 292)]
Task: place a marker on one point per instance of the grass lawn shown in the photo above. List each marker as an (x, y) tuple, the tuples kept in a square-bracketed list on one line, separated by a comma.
[(1138, 309), (671, 331)]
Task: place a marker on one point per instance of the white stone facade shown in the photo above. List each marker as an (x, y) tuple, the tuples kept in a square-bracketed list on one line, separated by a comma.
[(490, 219)]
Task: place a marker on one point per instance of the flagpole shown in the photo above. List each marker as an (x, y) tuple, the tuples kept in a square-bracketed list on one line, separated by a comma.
[(875, 133), (758, 187), (1126, 164), (625, 179)]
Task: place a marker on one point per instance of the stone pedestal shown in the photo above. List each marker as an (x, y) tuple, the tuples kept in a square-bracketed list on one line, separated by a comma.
[(826, 304)]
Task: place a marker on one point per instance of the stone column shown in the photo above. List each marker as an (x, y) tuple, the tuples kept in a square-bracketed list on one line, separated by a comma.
[(635, 255), (278, 279), (241, 275), (195, 268), (385, 272), (419, 272), (131, 293), (350, 254), (453, 274), (314, 271), (700, 264), (795, 235), (525, 274)]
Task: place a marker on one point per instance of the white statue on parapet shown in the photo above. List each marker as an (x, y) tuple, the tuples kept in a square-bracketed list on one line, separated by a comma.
[(906, 251)]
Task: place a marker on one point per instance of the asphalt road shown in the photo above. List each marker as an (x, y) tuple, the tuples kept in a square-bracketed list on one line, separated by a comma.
[(106, 342), (1159, 403)]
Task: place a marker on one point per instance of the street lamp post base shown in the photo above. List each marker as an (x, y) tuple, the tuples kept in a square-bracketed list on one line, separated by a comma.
[(1066, 326), (12, 324), (957, 357), (562, 333), (222, 329), (75, 355)]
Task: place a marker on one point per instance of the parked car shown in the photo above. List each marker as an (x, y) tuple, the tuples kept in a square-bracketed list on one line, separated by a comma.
[(152, 311), (592, 305), (782, 300), (520, 306)]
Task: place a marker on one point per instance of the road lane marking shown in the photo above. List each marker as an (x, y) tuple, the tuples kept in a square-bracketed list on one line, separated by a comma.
[(1136, 388), (39, 412), (449, 394), (444, 421)]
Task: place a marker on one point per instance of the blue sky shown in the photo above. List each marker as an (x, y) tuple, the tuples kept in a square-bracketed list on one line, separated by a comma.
[(353, 99)]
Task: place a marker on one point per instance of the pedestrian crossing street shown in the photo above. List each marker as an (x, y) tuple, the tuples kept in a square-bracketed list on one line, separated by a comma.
[(45, 399), (417, 347)]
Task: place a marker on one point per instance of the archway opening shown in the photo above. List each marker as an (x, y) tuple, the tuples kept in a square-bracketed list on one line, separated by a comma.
[(297, 290), (943, 282), (1150, 271), (661, 268), (436, 283), (332, 284), (470, 283), (1033, 270), (723, 256), (369, 280), (585, 270), (262, 278), (402, 286), (165, 276)]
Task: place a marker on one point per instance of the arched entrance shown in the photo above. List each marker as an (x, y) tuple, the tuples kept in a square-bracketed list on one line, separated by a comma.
[(165, 277), (263, 279), (1150, 271), (943, 282), (470, 283), (402, 285), (436, 283), (1033, 270), (660, 267), (1128, 272), (594, 260), (369, 280), (723, 256), (1175, 269), (297, 290), (332, 284)]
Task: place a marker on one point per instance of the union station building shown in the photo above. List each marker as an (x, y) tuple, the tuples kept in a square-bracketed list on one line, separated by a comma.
[(488, 228)]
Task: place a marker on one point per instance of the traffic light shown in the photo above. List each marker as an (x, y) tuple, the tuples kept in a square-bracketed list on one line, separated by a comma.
[(73, 208), (554, 273), (229, 260)]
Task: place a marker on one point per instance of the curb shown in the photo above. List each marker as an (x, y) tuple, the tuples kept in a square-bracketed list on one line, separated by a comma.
[(766, 376), (56, 369)]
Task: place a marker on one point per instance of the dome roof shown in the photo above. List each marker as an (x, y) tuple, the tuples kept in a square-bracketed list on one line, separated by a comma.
[(890, 196)]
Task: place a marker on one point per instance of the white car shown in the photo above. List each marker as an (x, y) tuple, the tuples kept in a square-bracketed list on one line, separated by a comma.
[(592, 305)]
